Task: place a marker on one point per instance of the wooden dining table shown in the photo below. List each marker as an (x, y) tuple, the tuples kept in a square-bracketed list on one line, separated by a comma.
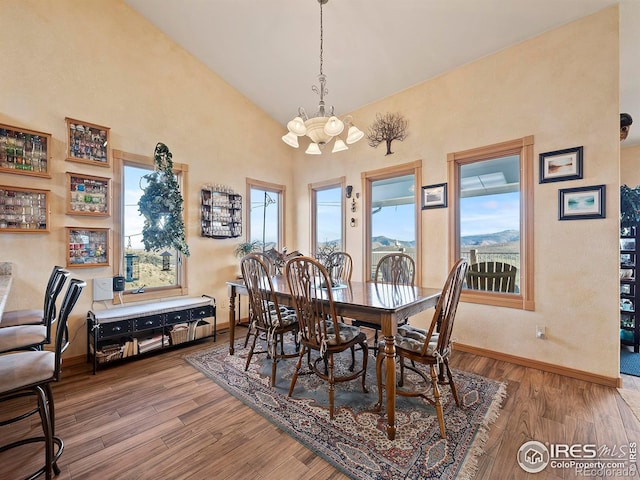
[(381, 303)]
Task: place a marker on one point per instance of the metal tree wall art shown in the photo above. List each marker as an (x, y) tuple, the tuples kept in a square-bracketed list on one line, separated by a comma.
[(387, 128)]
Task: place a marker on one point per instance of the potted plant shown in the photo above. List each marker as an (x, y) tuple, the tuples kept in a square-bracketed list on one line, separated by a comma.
[(245, 248), (629, 206), (161, 205)]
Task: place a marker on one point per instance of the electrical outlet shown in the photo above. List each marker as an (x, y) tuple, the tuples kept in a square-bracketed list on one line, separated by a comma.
[(540, 332)]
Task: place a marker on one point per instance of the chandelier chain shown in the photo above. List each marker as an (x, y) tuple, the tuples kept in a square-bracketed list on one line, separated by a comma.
[(321, 38)]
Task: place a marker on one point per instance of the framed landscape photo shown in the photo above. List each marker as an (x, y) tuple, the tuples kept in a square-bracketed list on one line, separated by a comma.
[(581, 203), (434, 196), (561, 165)]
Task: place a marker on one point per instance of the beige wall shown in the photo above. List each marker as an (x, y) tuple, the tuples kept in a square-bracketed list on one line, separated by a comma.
[(99, 61), (630, 165), (562, 91)]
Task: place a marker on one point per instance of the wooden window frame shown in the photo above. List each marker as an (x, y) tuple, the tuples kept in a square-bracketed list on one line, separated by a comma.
[(325, 185), (412, 168), (523, 147), (121, 158), (280, 190)]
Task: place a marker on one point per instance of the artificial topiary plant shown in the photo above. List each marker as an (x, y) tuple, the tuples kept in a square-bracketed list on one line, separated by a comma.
[(161, 206), (629, 206)]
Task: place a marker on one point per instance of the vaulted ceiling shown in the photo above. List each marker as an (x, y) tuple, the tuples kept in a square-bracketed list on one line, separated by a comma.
[(270, 50)]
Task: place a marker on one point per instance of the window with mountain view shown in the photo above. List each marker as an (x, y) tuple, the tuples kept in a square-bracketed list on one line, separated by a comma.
[(327, 217), (391, 206), (492, 221)]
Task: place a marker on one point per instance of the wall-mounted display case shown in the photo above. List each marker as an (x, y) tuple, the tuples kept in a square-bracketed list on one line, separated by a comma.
[(88, 195), (629, 287), (23, 210), (221, 212), (88, 143), (87, 247), (24, 152)]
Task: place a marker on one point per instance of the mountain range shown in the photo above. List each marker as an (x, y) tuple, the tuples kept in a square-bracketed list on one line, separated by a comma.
[(497, 238)]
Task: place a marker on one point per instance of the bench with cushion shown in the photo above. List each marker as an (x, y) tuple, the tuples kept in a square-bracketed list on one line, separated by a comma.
[(130, 330)]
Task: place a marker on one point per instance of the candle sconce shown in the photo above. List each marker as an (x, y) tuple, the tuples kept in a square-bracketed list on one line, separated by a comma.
[(353, 202)]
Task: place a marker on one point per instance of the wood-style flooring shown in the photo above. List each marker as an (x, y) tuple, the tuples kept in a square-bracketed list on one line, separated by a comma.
[(159, 418)]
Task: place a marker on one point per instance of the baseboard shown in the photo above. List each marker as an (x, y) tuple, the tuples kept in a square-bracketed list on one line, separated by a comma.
[(614, 382)]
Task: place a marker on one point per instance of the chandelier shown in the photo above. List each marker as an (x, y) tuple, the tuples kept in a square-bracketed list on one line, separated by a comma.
[(323, 126)]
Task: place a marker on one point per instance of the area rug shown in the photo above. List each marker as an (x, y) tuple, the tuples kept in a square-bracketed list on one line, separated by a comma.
[(629, 362), (355, 441)]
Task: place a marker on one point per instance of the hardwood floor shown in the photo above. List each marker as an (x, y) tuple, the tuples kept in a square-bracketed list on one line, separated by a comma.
[(159, 418)]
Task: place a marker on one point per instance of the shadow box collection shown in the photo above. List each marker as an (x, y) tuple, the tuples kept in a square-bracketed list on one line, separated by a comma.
[(27, 210)]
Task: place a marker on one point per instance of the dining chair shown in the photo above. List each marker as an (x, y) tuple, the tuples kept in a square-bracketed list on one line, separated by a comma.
[(33, 336), (320, 331), (431, 347), (14, 318), (268, 321), (23, 374), (397, 269), (492, 277), (340, 267)]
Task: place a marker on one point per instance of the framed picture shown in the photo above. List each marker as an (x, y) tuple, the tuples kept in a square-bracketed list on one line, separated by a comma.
[(628, 244), (434, 196), (87, 247), (626, 260), (87, 195), (626, 274), (88, 143), (626, 289), (581, 203), (561, 165)]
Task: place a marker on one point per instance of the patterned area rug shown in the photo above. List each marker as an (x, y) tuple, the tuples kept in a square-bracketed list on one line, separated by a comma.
[(355, 442)]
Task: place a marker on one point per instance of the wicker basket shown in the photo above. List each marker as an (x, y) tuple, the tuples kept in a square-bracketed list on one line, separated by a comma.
[(109, 355), (179, 333), (203, 329)]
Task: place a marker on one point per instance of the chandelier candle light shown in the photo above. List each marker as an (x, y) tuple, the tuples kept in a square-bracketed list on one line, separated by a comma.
[(324, 125)]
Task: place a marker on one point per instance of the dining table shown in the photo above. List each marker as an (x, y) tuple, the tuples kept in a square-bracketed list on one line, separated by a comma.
[(381, 303)]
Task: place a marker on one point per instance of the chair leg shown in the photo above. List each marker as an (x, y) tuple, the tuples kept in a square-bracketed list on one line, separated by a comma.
[(353, 359), (401, 379), (45, 418), (438, 404), (454, 391), (375, 341), (52, 414), (253, 345), (365, 358), (246, 339), (274, 359), (379, 360), (294, 379), (331, 385)]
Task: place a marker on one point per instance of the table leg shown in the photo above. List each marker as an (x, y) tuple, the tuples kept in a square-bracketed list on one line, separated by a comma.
[(390, 365), (232, 318)]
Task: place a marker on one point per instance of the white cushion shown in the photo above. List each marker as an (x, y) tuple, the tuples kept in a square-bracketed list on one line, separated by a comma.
[(21, 317), (15, 338), (25, 368)]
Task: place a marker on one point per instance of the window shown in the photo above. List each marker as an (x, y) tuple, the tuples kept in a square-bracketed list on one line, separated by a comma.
[(392, 207), (147, 274), (491, 221), (327, 217), (265, 214)]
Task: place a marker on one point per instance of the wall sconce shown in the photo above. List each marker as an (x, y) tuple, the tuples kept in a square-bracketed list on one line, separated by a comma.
[(349, 190), (352, 222)]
